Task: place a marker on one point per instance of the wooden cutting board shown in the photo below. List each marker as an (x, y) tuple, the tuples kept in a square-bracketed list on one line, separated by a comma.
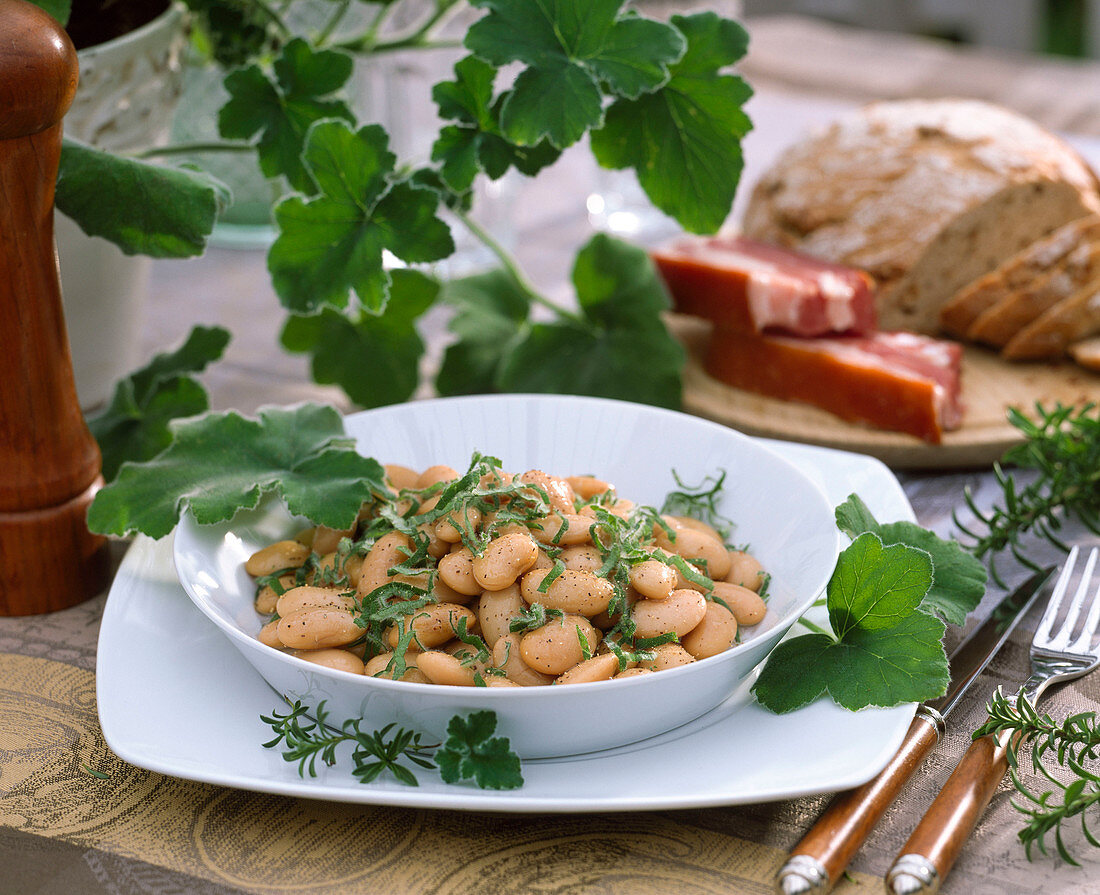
[(989, 386)]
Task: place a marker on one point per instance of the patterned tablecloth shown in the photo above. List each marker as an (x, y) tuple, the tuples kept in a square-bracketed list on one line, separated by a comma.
[(76, 819)]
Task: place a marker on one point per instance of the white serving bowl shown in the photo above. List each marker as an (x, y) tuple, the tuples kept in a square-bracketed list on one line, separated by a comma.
[(778, 511)]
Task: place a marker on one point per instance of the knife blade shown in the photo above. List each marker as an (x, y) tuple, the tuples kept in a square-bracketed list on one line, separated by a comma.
[(817, 862)]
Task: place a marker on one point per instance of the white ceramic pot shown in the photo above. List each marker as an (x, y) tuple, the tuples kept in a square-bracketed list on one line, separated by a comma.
[(125, 101)]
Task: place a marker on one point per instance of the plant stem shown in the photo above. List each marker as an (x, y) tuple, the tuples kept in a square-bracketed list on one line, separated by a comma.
[(512, 268), (337, 16), (414, 44), (275, 17), (190, 148), (417, 38), (817, 629)]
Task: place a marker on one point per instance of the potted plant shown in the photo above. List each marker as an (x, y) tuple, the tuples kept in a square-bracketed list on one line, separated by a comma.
[(651, 96)]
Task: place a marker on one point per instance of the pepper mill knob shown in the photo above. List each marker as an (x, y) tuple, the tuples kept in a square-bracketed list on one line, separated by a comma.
[(49, 462)]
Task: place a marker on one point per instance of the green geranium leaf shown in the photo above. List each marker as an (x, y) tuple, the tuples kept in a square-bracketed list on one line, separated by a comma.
[(884, 650), (331, 245), (232, 34), (573, 50), (905, 663), (960, 578), (620, 298), (278, 112), (683, 139), (142, 208), (220, 463), (374, 359), (875, 587), (475, 143), (134, 426), (490, 312)]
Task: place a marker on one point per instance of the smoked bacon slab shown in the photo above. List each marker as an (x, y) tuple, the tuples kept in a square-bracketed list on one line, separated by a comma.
[(742, 285), (897, 381)]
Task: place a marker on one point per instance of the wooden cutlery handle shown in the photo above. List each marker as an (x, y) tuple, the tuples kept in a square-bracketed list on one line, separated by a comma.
[(931, 851), (817, 862)]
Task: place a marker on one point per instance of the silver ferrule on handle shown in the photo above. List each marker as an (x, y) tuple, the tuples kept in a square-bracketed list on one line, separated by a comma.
[(934, 718), (802, 875), (912, 875)]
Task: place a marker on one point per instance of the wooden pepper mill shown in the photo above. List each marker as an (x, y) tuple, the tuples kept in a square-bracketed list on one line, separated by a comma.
[(49, 462)]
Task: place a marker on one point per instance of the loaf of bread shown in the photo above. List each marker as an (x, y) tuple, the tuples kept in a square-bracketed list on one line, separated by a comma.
[(925, 195)]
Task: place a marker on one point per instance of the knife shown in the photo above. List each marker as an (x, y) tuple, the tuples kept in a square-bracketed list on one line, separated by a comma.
[(817, 862)]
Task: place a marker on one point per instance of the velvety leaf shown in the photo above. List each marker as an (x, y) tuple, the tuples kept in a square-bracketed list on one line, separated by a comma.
[(796, 673), (559, 102), (142, 208), (573, 50), (374, 359), (620, 298), (476, 142), (490, 309), (905, 663), (854, 517), (469, 97), (634, 58), (458, 148), (683, 139), (874, 587), (203, 346), (959, 578), (331, 245), (129, 432), (616, 283), (232, 34), (569, 360), (222, 462), (883, 651), (134, 425), (278, 112)]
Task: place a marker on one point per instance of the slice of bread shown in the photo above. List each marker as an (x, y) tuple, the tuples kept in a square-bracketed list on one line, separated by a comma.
[(1087, 353), (1021, 272), (925, 195), (1000, 324), (1051, 333)]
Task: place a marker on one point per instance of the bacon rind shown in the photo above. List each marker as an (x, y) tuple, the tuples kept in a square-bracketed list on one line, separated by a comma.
[(896, 381), (748, 286)]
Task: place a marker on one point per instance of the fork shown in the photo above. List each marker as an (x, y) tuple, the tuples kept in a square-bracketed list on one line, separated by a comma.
[(934, 845)]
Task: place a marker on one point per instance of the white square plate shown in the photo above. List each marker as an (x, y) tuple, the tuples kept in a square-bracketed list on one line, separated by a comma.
[(177, 698)]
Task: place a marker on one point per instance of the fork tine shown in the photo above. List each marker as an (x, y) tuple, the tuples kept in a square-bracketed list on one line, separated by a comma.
[(1061, 641), (1084, 642), (1042, 633)]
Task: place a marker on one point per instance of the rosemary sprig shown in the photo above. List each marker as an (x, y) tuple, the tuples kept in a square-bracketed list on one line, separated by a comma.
[(1071, 743), (307, 741), (470, 752), (1062, 448)]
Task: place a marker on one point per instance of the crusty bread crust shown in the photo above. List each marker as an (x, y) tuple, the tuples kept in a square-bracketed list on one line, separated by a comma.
[(925, 195)]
